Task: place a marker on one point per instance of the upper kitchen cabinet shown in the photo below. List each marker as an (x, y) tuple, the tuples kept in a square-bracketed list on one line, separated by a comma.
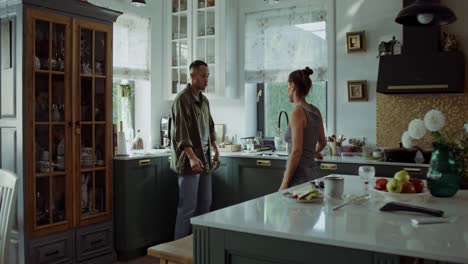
[(200, 30)]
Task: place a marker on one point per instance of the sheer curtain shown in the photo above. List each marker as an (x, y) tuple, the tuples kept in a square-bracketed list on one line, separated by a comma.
[(281, 40), (132, 45), (131, 71)]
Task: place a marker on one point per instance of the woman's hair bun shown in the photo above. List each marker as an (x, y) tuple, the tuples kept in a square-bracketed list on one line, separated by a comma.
[(308, 71)]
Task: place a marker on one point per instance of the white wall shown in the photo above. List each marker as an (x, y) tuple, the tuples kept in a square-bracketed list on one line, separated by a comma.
[(376, 18)]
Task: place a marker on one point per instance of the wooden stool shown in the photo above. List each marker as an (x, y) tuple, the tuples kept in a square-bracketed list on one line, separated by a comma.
[(175, 252)]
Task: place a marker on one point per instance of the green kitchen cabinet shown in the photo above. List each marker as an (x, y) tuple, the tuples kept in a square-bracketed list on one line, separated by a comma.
[(254, 178), (136, 214), (223, 187), (145, 199), (167, 199)]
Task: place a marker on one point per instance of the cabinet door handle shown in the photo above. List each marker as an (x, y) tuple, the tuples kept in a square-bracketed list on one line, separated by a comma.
[(412, 170), (78, 127), (48, 254), (328, 166), (144, 162), (264, 163)]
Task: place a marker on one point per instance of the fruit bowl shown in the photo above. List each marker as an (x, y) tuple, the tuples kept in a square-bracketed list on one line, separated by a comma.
[(403, 197)]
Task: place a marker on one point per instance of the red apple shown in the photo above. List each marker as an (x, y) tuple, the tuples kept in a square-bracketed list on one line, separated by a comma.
[(418, 184), (381, 184), (408, 187)]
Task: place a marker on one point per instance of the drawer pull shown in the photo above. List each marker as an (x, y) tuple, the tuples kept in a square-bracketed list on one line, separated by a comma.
[(264, 163), (328, 166), (144, 162), (94, 242), (412, 170), (48, 254)]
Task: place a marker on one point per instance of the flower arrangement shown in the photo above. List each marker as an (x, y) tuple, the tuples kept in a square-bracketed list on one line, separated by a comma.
[(434, 121)]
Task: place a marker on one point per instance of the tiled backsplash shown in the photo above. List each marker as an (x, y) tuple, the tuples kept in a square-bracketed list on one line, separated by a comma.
[(394, 112)]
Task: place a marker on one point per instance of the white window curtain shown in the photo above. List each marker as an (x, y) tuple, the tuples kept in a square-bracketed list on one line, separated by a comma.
[(281, 40), (132, 43)]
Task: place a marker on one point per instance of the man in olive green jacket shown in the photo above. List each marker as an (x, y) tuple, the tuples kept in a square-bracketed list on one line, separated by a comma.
[(193, 140)]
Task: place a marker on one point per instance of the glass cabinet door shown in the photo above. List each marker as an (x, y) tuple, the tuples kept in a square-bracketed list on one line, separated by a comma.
[(179, 45), (205, 36), (51, 171), (93, 139)]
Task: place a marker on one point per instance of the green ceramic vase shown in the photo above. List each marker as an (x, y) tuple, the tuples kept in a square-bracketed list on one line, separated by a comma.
[(442, 178)]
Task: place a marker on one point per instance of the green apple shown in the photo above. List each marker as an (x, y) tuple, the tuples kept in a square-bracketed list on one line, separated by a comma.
[(403, 176), (394, 186)]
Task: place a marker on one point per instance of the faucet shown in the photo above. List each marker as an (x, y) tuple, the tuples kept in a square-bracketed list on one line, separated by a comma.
[(280, 133)]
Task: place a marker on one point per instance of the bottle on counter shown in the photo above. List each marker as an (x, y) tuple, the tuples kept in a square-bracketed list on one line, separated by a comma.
[(138, 141)]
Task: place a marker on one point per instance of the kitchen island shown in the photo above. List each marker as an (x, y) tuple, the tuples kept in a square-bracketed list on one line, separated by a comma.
[(272, 229)]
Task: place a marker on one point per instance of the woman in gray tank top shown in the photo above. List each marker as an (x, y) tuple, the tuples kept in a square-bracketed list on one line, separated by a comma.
[(305, 135)]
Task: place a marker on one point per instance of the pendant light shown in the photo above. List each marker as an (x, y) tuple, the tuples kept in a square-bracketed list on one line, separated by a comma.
[(426, 13), (139, 3)]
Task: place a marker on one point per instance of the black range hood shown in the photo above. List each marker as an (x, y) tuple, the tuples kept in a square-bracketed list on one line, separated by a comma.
[(422, 67)]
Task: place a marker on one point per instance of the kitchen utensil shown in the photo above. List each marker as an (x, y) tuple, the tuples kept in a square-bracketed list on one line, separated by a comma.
[(356, 198), (391, 207)]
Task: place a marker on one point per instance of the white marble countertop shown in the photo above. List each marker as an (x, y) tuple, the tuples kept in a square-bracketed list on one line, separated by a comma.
[(357, 225), (144, 154), (269, 155)]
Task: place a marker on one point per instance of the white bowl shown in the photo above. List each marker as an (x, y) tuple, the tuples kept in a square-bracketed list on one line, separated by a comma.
[(423, 196)]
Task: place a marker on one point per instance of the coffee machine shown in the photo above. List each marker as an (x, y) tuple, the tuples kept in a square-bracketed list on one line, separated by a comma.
[(166, 131)]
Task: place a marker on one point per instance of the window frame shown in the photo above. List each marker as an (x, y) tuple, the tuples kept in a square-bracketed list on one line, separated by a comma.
[(254, 6)]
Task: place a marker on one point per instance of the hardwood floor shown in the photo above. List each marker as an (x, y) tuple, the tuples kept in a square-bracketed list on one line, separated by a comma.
[(142, 260)]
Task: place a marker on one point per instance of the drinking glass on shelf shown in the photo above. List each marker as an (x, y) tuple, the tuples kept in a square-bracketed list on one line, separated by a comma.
[(366, 173)]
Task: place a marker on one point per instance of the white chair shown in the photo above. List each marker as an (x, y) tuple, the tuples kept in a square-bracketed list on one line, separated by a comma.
[(8, 189)]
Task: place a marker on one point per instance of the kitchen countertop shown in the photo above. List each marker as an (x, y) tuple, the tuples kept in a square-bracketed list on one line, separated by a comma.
[(271, 155), (144, 154), (357, 225)]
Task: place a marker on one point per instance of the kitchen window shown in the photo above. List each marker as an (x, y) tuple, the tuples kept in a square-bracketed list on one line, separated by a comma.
[(131, 70), (278, 42)]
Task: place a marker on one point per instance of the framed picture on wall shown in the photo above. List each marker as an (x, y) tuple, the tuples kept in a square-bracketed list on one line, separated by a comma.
[(356, 41), (357, 91)]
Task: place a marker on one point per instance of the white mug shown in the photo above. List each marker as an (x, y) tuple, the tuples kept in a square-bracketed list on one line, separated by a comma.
[(334, 186)]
